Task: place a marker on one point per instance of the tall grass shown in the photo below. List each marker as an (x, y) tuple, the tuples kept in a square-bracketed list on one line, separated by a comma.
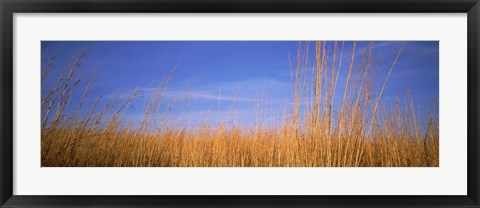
[(335, 121)]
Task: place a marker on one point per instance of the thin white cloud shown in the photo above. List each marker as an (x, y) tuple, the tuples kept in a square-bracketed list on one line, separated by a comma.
[(249, 90), (205, 95)]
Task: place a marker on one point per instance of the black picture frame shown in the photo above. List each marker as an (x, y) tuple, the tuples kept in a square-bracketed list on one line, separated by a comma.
[(9, 7)]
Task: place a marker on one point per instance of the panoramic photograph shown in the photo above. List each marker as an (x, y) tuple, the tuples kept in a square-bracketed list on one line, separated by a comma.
[(239, 103)]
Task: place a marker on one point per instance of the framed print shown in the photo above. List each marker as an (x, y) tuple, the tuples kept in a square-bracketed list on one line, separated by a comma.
[(239, 104)]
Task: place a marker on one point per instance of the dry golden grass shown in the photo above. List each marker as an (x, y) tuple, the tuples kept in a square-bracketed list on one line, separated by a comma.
[(364, 131)]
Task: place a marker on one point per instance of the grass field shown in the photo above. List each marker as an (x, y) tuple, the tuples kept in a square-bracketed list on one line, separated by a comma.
[(363, 131)]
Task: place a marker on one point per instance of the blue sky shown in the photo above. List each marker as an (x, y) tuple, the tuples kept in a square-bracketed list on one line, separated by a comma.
[(230, 70)]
